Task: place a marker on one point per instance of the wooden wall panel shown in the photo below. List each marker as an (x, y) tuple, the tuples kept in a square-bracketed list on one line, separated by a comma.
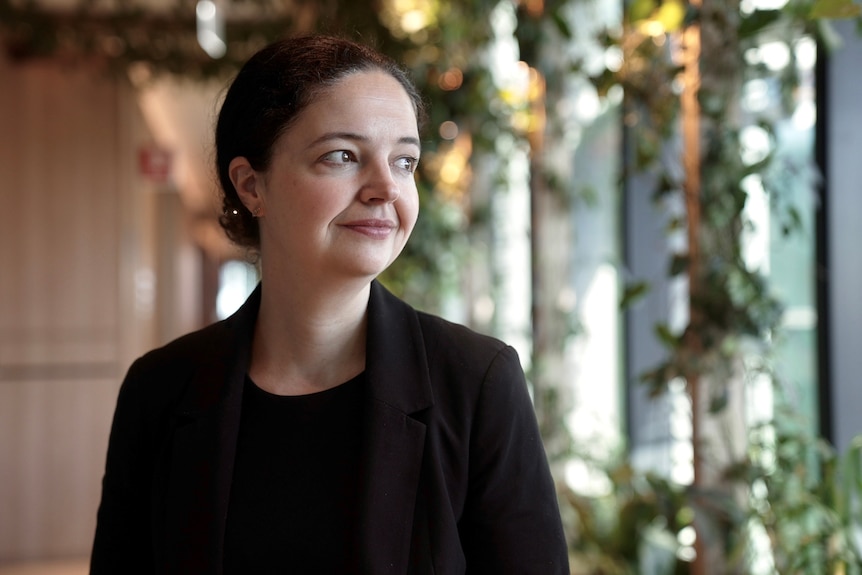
[(74, 253), (50, 475), (62, 204)]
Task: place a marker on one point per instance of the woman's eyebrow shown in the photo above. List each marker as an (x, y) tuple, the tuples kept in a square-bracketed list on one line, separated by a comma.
[(410, 140), (360, 138)]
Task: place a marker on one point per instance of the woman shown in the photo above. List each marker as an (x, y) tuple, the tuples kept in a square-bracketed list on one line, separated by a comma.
[(326, 427)]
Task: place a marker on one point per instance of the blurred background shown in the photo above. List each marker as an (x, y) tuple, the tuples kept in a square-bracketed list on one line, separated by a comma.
[(665, 226)]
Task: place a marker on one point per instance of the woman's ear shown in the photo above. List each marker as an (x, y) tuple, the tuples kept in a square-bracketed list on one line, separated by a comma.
[(248, 184)]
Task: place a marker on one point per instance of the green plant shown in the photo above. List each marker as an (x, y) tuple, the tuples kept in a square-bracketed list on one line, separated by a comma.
[(732, 308), (632, 528), (806, 498)]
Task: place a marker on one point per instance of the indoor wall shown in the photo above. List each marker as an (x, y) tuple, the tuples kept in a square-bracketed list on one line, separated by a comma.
[(78, 285)]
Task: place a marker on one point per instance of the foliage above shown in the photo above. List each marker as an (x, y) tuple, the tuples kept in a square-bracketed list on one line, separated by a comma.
[(163, 37), (438, 41)]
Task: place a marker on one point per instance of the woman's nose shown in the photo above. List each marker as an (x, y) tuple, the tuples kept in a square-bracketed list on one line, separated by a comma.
[(380, 184)]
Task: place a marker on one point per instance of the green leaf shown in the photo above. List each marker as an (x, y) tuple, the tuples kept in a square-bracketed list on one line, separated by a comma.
[(562, 25), (633, 292), (679, 264), (666, 336), (757, 21), (853, 470), (640, 9), (834, 9), (718, 402)]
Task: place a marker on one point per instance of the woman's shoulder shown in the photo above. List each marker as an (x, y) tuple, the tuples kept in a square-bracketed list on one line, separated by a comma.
[(215, 343), (449, 347), (458, 335), (160, 377), (454, 347), (186, 350)]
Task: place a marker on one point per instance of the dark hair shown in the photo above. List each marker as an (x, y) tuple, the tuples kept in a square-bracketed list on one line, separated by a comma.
[(266, 97)]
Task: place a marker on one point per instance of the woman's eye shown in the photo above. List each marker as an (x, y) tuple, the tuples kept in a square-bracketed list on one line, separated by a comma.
[(339, 157), (407, 163)]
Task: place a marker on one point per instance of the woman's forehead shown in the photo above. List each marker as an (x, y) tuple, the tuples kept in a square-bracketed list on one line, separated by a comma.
[(363, 100)]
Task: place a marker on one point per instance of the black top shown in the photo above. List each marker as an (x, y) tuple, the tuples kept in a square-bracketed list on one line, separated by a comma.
[(293, 501)]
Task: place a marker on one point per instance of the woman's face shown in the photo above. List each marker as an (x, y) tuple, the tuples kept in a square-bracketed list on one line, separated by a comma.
[(339, 199)]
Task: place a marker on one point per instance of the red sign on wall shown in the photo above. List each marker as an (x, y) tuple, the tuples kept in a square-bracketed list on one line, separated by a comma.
[(155, 163)]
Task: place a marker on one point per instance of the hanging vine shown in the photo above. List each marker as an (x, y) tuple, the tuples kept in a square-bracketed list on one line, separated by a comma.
[(734, 312)]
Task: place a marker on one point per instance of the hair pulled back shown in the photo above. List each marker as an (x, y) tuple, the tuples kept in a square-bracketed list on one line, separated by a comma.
[(266, 97)]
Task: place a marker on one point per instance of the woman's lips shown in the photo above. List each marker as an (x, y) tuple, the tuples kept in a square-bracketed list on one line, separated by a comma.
[(377, 229)]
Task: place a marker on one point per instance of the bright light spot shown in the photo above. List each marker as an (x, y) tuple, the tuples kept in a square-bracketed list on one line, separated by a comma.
[(751, 184), (451, 79), (752, 56), (451, 171), (806, 53), (503, 51), (686, 539), (759, 490), (448, 130), (483, 309), (205, 10), (236, 281), (212, 44), (413, 21), (521, 121), (408, 17), (615, 95), (586, 480), (768, 4), (567, 299), (588, 105), (682, 473), (652, 28), (805, 115), (680, 425), (535, 86), (210, 29), (755, 144), (681, 451), (756, 239), (676, 385), (755, 95), (686, 536), (614, 58), (594, 421), (799, 317), (775, 55), (682, 455)]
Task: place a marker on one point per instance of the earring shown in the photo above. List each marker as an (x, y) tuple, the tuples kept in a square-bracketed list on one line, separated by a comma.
[(256, 212)]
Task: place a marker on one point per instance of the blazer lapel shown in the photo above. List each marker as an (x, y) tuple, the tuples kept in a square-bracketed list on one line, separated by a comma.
[(397, 372), (207, 424), (204, 447)]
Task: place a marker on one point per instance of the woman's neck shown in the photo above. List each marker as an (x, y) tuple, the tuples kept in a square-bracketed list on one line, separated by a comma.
[(308, 338)]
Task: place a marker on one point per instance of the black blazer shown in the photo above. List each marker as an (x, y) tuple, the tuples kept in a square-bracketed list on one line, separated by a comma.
[(455, 476)]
